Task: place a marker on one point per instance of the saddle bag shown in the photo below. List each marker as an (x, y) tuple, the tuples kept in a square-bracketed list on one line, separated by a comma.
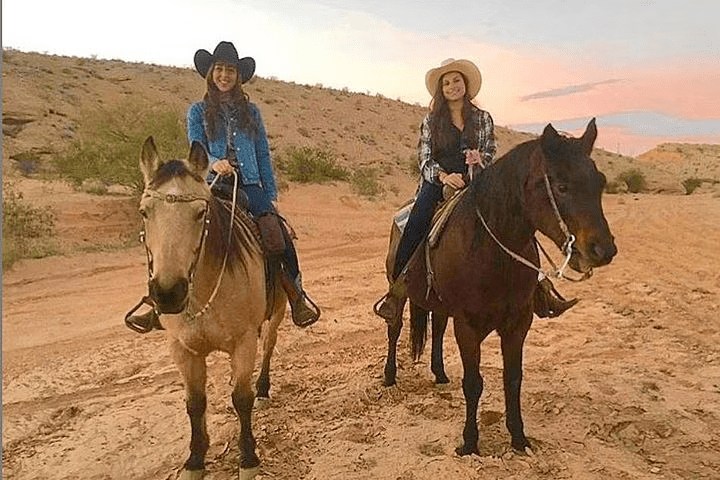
[(271, 233)]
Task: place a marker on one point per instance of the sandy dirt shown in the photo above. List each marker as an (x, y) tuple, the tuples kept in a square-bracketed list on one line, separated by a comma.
[(624, 386)]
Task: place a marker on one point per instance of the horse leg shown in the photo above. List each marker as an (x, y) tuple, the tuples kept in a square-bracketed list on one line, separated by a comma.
[(243, 361), (194, 373), (437, 366), (393, 334), (472, 383), (262, 385), (512, 350)]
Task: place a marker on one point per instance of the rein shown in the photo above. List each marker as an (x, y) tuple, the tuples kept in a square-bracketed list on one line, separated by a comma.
[(171, 198), (566, 247)]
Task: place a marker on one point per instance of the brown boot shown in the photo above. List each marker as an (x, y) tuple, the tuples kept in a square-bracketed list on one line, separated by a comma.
[(304, 311), (548, 303), (391, 304), (146, 322)]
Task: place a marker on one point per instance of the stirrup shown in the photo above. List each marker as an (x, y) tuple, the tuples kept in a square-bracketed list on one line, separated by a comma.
[(388, 308), (146, 322), (313, 311)]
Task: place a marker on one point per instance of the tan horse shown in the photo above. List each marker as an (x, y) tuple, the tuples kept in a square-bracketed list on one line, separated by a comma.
[(207, 277)]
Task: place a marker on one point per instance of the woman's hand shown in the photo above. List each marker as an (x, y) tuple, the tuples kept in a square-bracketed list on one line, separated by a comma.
[(455, 180), (223, 167), (473, 157)]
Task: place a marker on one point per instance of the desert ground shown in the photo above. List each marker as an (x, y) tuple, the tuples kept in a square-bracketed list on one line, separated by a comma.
[(626, 385)]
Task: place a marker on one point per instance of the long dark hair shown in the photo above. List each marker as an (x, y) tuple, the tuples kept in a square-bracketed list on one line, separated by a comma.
[(441, 122), (238, 100)]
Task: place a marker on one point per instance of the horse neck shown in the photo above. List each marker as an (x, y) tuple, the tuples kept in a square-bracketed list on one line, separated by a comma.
[(238, 258), (498, 196)]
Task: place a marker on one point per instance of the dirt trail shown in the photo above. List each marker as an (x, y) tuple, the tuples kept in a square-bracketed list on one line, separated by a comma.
[(626, 385)]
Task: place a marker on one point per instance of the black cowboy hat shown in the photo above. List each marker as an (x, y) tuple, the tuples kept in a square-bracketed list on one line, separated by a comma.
[(224, 52)]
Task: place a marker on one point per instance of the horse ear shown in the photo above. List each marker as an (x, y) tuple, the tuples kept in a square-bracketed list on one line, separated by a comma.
[(149, 160), (588, 138), (550, 139), (198, 158)]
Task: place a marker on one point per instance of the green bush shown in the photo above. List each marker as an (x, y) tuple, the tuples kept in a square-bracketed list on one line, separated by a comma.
[(27, 230), (364, 181), (691, 184), (108, 145), (612, 186), (311, 165), (634, 179)]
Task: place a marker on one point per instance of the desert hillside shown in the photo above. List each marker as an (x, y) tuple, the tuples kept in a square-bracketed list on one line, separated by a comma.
[(46, 98)]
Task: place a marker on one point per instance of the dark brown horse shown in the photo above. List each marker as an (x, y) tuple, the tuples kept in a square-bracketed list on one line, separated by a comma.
[(549, 185)]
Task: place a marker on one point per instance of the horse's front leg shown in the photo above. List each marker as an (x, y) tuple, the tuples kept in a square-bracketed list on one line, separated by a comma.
[(193, 370), (243, 361), (469, 344), (393, 334), (437, 365), (512, 351)]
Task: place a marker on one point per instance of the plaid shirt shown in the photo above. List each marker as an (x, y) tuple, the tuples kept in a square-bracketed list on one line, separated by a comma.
[(430, 169)]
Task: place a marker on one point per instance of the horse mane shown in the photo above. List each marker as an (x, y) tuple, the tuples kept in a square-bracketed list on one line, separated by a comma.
[(216, 244), (240, 241)]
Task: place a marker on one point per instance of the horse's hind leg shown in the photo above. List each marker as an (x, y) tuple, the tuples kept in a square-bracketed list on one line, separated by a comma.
[(243, 362), (262, 385), (393, 334), (512, 351), (194, 373), (437, 366)]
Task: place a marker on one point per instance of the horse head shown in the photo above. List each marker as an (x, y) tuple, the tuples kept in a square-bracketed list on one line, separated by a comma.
[(174, 207), (562, 198)]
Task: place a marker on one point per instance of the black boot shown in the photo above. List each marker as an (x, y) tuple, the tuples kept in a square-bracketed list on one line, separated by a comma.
[(304, 312), (391, 304), (548, 303), (146, 322)]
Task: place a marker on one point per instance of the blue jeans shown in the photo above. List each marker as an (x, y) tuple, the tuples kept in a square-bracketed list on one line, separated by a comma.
[(418, 224), (259, 203)]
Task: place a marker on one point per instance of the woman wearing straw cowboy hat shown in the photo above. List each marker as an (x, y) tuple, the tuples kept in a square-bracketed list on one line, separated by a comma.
[(231, 129), (454, 135)]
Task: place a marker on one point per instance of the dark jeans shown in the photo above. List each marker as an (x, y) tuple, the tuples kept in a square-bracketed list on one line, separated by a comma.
[(418, 224), (259, 203)]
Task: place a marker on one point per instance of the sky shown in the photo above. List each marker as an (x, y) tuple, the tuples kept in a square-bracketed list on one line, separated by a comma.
[(647, 70)]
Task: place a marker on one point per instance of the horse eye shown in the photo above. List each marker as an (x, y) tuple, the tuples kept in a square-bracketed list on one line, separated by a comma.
[(143, 212), (200, 215), (562, 188)]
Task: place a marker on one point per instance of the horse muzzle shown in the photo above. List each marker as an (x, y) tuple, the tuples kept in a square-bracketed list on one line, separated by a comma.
[(592, 255), (169, 299)]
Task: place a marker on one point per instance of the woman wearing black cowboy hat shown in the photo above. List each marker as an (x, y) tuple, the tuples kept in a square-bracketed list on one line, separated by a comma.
[(231, 129)]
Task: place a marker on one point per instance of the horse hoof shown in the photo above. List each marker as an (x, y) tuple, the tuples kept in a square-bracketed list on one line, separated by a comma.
[(261, 403), (248, 473), (463, 451), (192, 475)]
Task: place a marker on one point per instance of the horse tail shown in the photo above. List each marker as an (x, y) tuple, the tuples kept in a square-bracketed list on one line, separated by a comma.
[(418, 330)]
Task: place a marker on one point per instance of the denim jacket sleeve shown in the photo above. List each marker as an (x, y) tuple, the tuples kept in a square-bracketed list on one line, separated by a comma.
[(196, 128), (262, 153)]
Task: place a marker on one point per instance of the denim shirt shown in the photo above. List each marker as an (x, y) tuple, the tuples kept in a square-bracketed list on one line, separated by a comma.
[(252, 153)]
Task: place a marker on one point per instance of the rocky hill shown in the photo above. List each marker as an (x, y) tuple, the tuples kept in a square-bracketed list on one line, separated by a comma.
[(46, 99)]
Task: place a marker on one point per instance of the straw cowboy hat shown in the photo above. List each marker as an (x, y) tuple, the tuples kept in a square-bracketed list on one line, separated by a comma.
[(466, 67), (224, 52)]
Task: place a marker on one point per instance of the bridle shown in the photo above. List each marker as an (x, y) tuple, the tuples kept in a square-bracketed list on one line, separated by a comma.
[(567, 246), (173, 198)]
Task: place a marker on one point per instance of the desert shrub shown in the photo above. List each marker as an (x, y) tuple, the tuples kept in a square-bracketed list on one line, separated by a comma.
[(109, 142), (691, 184), (364, 181), (634, 179), (27, 231), (311, 165), (612, 187)]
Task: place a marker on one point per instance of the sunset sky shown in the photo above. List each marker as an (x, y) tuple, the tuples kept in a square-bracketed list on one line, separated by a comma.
[(648, 70)]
